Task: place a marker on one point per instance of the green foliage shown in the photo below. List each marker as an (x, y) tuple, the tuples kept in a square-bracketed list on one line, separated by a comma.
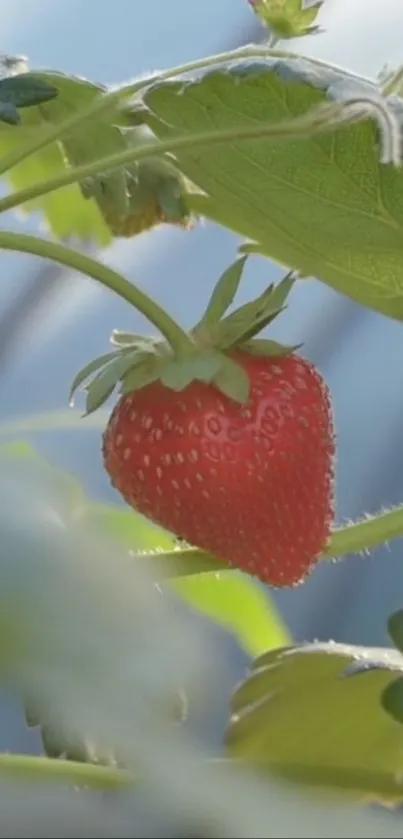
[(326, 206), (312, 713), (121, 203), (237, 603), (229, 598), (233, 600), (321, 202), (22, 91)]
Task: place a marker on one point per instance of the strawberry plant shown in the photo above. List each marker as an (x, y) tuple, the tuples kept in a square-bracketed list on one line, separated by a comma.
[(220, 440)]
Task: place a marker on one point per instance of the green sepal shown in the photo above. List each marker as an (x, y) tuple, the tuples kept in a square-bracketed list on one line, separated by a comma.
[(250, 319), (266, 347), (147, 372), (103, 385), (223, 293), (204, 367), (233, 380), (131, 339), (85, 373)]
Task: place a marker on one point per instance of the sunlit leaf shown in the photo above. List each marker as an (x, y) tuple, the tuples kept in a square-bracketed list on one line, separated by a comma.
[(313, 713), (325, 206), (239, 604)]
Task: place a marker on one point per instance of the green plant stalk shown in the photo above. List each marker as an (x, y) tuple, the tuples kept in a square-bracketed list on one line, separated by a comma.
[(304, 126), (109, 100), (360, 536), (71, 773), (109, 278), (357, 537)]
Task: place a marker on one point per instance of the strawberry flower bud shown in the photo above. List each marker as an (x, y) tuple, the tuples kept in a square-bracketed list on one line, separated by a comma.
[(287, 18)]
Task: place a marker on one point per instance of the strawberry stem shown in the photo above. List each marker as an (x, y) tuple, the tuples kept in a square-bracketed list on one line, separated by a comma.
[(317, 120), (353, 538), (45, 769), (368, 533), (77, 261)]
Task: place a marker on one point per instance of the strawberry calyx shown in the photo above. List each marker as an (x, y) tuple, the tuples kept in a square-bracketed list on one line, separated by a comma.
[(211, 355)]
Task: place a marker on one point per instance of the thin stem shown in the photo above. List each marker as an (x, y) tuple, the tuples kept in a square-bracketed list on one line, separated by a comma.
[(113, 98), (393, 83), (78, 261), (45, 769), (366, 534), (304, 126), (353, 538), (181, 563)]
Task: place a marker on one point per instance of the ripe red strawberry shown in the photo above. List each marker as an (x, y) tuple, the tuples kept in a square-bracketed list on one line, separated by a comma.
[(224, 439), (251, 483)]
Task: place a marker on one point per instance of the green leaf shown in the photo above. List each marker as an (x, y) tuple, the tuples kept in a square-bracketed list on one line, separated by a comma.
[(392, 699), (233, 380), (395, 628), (63, 488), (9, 113), (239, 604), (325, 205), (178, 374), (313, 714), (67, 212), (129, 529), (224, 292), (26, 89)]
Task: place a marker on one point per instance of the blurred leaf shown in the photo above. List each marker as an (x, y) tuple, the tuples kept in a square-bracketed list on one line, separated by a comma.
[(130, 529), (239, 604), (235, 601), (64, 419), (313, 714), (324, 206), (392, 699), (63, 488), (231, 599)]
